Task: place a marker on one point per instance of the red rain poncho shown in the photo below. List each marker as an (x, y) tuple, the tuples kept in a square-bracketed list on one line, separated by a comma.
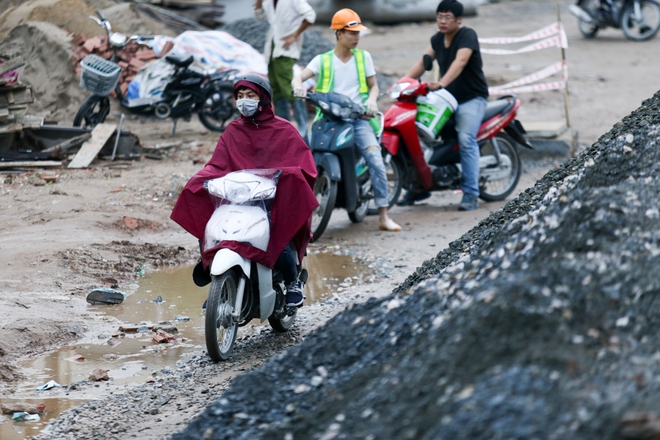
[(264, 141)]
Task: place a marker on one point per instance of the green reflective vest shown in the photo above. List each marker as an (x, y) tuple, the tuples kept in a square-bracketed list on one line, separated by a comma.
[(326, 78)]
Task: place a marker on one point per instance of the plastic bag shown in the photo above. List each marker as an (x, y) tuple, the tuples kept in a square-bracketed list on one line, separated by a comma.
[(243, 200)]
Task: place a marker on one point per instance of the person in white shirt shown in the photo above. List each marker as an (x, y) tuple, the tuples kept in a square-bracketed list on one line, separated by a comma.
[(351, 72), (288, 20)]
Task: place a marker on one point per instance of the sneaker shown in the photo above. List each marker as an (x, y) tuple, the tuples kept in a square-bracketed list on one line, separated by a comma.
[(294, 295), (468, 203), (410, 197)]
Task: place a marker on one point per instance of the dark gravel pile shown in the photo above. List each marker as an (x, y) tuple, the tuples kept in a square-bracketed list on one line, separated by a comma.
[(539, 323)]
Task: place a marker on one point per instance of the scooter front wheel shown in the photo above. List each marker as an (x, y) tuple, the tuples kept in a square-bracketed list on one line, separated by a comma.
[(92, 112), (644, 26), (360, 212), (220, 327), (325, 190)]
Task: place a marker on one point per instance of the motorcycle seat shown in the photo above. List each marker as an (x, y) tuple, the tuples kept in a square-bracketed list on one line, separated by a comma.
[(495, 107), (178, 61)]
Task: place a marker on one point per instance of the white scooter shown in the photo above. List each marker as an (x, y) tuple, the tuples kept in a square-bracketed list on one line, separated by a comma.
[(242, 290)]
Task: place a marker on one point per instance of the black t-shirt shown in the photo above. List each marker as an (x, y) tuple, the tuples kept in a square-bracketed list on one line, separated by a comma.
[(471, 83)]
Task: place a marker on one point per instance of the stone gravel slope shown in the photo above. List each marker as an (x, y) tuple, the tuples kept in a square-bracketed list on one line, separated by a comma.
[(541, 322)]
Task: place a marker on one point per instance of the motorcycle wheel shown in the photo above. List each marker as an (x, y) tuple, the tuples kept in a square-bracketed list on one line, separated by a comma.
[(395, 178), (282, 324), (218, 107), (588, 30), (647, 26), (220, 329), (496, 190), (325, 190), (92, 112), (360, 212)]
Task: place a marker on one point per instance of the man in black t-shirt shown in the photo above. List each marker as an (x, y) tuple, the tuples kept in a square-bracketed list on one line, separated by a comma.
[(456, 49)]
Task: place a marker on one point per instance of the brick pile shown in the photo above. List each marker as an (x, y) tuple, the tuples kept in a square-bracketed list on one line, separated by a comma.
[(131, 58)]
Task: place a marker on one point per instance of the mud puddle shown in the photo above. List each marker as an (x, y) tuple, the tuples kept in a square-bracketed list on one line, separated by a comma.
[(132, 357)]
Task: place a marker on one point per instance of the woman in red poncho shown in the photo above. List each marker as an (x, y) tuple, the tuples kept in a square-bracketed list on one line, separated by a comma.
[(259, 140)]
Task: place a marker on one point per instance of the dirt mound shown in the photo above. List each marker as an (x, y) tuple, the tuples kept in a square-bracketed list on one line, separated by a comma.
[(41, 32), (542, 323), (124, 260), (48, 67)]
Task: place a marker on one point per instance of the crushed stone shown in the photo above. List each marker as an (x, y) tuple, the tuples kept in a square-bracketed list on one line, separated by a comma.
[(541, 322)]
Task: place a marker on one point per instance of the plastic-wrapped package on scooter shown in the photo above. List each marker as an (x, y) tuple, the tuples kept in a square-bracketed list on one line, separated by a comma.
[(243, 200)]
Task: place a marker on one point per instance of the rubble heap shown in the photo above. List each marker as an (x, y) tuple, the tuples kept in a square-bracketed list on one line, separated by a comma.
[(542, 322)]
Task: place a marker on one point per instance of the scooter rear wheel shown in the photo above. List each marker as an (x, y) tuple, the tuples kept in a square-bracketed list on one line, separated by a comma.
[(220, 328), (588, 30), (282, 323), (92, 112), (325, 190), (496, 190), (217, 108)]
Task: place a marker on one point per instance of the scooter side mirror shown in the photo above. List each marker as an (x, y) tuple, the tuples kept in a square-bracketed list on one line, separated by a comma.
[(428, 62)]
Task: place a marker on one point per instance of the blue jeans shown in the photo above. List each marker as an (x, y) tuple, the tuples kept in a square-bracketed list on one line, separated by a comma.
[(365, 138), (469, 116), (299, 112), (286, 263)]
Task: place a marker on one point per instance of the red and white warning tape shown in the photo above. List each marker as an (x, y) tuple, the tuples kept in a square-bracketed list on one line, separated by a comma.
[(543, 44), (550, 36), (548, 31)]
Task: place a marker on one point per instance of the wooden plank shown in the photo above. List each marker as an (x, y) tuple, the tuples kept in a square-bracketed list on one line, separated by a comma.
[(544, 129), (35, 164), (70, 143), (91, 148), (11, 127), (11, 96)]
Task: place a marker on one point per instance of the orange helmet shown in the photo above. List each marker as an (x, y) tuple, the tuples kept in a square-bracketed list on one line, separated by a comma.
[(347, 19)]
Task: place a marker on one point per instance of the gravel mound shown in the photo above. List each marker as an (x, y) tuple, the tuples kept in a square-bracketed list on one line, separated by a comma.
[(541, 322)]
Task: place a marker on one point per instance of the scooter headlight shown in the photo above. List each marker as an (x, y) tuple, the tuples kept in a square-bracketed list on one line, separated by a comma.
[(265, 194), (117, 39)]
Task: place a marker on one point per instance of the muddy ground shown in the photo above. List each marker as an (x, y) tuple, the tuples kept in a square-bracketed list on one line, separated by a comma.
[(59, 240)]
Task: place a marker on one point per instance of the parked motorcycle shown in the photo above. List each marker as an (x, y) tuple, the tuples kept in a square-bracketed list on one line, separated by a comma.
[(412, 126), (190, 90), (342, 173), (638, 19), (242, 290)]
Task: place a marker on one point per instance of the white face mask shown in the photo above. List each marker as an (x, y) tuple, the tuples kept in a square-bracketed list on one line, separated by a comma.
[(247, 107)]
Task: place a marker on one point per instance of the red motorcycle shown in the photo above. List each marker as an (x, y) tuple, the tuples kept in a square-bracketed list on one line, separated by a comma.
[(428, 152)]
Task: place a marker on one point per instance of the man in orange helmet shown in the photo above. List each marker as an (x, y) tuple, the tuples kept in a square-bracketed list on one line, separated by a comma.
[(351, 72)]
